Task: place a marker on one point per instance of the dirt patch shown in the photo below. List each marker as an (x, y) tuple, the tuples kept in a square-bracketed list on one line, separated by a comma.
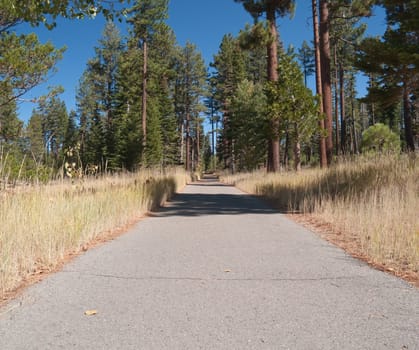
[(351, 244)]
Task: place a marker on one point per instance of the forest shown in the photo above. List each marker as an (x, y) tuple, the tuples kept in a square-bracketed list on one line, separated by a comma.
[(144, 101)]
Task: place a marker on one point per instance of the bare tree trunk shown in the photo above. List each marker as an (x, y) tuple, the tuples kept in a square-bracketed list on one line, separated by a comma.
[(371, 85), (273, 76), (226, 142), (297, 150), (182, 143), (408, 132), (337, 148), (353, 124), (197, 143), (286, 148), (322, 141), (144, 99), (233, 157), (342, 110), (269, 166), (212, 135), (188, 142), (325, 74)]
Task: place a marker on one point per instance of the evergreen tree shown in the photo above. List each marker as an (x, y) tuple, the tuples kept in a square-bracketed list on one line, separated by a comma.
[(146, 89), (230, 66), (162, 77), (394, 61), (249, 124), (34, 133), (146, 17), (24, 64), (271, 8), (189, 89), (10, 125), (91, 139), (96, 100), (306, 58), (71, 133), (294, 103), (319, 90), (54, 126), (128, 122), (346, 35), (46, 12)]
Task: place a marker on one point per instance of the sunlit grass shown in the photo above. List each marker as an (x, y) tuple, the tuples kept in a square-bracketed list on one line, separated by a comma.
[(375, 200), (39, 225)]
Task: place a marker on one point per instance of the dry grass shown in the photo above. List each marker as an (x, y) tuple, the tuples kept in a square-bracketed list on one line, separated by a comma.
[(373, 201), (39, 225)]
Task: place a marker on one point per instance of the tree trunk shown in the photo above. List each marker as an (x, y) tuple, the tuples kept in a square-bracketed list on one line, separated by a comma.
[(198, 152), (269, 159), (335, 84), (297, 150), (342, 110), (371, 84), (273, 76), (408, 132), (144, 99), (226, 154), (286, 148), (182, 143), (354, 137), (188, 142), (212, 135), (322, 141), (325, 74)]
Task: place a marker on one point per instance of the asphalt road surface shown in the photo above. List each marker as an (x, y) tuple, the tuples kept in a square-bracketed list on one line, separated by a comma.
[(215, 269)]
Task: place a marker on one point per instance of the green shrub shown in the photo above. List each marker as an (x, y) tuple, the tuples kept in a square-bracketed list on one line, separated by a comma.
[(379, 138)]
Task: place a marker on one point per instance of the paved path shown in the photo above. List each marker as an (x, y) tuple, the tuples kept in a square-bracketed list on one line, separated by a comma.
[(215, 270)]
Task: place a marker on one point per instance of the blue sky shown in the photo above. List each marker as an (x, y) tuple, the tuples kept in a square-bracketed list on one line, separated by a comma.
[(202, 22)]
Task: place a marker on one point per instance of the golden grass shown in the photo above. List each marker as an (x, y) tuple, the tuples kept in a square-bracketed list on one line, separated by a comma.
[(373, 200), (39, 225)]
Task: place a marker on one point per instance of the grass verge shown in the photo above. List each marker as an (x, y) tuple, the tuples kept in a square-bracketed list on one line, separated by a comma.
[(368, 206), (41, 225)]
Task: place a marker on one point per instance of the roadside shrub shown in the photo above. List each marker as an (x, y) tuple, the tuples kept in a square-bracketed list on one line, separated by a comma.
[(379, 138)]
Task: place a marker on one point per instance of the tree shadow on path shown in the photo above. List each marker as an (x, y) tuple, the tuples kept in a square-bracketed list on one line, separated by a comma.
[(200, 204)]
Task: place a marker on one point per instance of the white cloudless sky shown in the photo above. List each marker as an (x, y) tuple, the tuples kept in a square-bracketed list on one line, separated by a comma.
[(201, 22)]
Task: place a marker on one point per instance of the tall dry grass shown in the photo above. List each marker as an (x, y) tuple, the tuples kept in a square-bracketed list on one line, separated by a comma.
[(373, 199), (39, 225)]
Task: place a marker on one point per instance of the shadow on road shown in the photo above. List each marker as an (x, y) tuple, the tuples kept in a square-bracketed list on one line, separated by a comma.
[(198, 204)]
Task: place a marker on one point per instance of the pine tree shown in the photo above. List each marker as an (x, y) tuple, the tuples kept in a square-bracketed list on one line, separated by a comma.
[(319, 90), (248, 125), (190, 87), (346, 35), (294, 103), (91, 140), (324, 41), (271, 8), (54, 126), (10, 125), (146, 17), (128, 121), (306, 58), (230, 66), (24, 64), (395, 60), (162, 77), (34, 133)]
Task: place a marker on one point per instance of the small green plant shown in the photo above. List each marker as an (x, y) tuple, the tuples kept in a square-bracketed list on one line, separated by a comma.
[(379, 138)]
